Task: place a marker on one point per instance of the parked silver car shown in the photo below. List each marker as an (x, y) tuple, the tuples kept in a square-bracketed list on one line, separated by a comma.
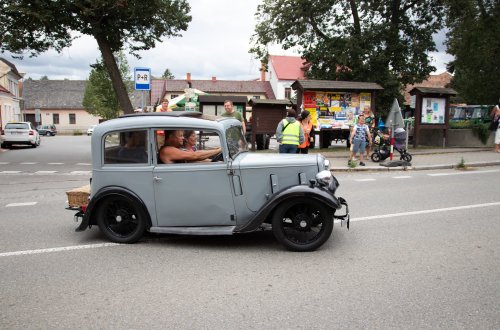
[(20, 133), (237, 192)]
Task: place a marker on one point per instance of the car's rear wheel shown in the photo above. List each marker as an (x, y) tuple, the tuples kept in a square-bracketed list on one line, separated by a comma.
[(302, 224), (121, 219)]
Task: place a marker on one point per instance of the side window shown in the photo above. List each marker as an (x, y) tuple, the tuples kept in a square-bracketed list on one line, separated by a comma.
[(195, 144), (126, 147)]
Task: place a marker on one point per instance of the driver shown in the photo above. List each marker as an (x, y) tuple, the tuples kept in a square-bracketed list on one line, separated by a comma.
[(170, 152)]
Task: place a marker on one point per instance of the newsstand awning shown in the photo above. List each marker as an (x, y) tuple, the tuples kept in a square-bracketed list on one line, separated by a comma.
[(335, 85)]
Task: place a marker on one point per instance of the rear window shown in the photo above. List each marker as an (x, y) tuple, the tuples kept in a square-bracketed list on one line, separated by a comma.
[(126, 147), (17, 126)]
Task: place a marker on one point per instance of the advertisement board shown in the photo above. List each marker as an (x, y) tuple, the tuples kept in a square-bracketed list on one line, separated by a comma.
[(433, 110), (331, 109)]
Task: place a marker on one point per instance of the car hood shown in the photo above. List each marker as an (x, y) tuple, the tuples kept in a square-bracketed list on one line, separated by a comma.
[(251, 160), (263, 175)]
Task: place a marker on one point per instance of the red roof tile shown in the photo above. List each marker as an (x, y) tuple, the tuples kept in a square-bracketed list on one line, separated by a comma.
[(287, 67)]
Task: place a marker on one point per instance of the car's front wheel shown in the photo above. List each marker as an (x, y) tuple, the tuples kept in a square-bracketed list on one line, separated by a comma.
[(121, 219), (302, 224)]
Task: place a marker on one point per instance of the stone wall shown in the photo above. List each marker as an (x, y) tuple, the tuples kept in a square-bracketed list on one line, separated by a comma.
[(456, 138)]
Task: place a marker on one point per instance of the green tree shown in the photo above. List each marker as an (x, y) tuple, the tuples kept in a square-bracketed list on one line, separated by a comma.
[(382, 41), (99, 98), (37, 26), (44, 77), (167, 74), (473, 39)]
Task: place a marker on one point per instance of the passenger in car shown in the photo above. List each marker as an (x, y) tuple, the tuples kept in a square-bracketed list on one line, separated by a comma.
[(171, 151), (134, 150), (190, 140)]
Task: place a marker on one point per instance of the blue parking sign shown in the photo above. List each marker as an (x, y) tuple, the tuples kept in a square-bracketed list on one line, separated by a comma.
[(142, 79)]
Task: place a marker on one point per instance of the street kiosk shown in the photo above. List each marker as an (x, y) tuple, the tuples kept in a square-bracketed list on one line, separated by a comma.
[(214, 104), (432, 114), (331, 102), (266, 114)]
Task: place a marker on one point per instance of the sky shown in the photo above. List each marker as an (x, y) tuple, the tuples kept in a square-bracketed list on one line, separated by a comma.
[(216, 44)]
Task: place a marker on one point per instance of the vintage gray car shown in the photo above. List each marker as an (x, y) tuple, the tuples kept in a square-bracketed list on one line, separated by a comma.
[(132, 191)]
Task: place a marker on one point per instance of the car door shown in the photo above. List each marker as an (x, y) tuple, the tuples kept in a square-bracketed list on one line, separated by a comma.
[(194, 194)]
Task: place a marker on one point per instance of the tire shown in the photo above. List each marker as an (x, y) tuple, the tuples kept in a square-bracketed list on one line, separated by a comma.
[(375, 157), (302, 224), (406, 157), (121, 219)]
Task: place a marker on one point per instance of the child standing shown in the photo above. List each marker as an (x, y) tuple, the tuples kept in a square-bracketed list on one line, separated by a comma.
[(359, 133)]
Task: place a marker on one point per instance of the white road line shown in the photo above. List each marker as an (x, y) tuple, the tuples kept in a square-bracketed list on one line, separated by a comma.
[(80, 172), (4, 163), (364, 180), (402, 177), (446, 209), (55, 163), (59, 249), (10, 172), (45, 172), (86, 164), (463, 172), (21, 204), (28, 163)]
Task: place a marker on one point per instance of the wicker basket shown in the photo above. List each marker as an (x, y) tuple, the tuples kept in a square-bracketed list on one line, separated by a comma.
[(78, 196)]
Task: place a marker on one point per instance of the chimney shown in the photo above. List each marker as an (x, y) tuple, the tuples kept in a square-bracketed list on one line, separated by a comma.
[(188, 76), (214, 79), (262, 71)]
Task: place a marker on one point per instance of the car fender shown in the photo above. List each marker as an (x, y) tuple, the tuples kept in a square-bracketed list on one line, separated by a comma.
[(302, 191), (88, 218)]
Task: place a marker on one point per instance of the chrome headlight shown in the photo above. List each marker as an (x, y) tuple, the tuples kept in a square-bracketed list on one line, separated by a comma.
[(324, 178), (326, 164)]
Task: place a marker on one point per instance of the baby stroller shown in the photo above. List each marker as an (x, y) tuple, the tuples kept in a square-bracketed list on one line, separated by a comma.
[(382, 149)]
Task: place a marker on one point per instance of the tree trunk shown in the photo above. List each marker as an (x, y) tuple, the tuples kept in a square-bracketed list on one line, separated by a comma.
[(114, 73)]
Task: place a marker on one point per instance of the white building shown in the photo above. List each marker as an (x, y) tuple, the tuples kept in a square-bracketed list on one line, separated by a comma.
[(282, 72)]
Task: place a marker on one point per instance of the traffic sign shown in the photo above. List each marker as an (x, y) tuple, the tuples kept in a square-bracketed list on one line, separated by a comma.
[(142, 79)]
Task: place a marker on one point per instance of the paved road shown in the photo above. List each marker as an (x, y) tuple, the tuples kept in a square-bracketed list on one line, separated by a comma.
[(422, 252)]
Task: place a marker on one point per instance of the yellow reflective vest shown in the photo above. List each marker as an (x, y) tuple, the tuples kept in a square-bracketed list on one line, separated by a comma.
[(291, 133)]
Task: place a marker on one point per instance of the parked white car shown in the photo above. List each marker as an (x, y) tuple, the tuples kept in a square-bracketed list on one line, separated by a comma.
[(90, 130), (20, 133)]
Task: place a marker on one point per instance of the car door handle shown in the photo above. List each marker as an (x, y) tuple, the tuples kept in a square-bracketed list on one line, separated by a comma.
[(157, 178)]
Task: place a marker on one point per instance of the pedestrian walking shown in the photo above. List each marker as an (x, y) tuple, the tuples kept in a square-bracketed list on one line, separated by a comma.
[(360, 132), (307, 127), (289, 133), (230, 112), (495, 117)]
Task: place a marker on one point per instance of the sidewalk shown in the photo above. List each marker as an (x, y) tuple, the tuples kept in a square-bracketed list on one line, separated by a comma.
[(423, 159)]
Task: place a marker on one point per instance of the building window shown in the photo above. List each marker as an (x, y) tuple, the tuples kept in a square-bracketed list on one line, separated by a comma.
[(72, 118), (55, 118), (288, 93), (173, 96), (257, 97)]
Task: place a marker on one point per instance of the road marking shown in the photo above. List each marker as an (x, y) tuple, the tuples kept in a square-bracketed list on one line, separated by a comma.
[(59, 249), (4, 163), (45, 172), (85, 164), (364, 180), (463, 172), (10, 172), (402, 177), (446, 209), (80, 172), (21, 204), (28, 163), (56, 163)]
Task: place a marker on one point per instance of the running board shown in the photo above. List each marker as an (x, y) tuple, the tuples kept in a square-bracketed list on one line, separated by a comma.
[(214, 230)]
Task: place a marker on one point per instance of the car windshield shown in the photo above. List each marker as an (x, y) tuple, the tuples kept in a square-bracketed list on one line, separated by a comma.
[(17, 126), (236, 142)]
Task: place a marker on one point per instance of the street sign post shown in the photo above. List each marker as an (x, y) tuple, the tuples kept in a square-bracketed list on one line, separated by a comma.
[(142, 79)]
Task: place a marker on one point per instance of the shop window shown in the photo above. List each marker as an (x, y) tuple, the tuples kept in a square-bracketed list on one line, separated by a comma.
[(288, 93), (72, 118), (55, 118)]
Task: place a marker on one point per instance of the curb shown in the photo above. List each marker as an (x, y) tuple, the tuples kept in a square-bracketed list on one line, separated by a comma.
[(413, 168)]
